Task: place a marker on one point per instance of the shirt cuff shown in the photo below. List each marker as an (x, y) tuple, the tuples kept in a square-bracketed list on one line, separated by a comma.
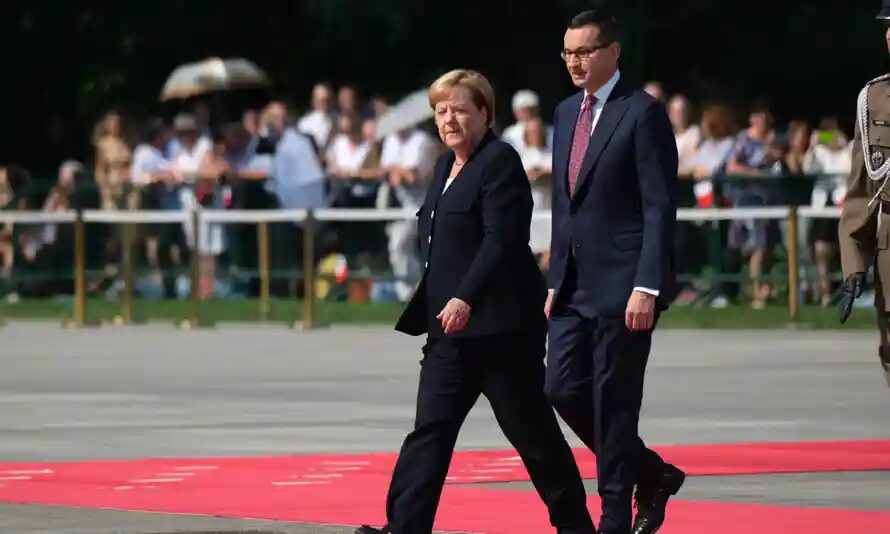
[(653, 292)]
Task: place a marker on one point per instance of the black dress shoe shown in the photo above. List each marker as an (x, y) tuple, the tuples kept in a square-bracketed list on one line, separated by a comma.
[(651, 501), (365, 529)]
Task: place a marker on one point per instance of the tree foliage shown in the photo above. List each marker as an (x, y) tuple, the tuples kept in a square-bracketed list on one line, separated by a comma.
[(70, 61)]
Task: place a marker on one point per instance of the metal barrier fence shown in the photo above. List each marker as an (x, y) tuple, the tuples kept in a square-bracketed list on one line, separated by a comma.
[(308, 219)]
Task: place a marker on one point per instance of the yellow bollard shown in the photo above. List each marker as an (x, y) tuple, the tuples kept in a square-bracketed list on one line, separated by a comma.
[(308, 321), (79, 319), (195, 318), (263, 237), (793, 283), (128, 238), (128, 244)]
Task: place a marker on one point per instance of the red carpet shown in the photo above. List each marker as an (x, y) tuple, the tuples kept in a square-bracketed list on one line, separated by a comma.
[(349, 489)]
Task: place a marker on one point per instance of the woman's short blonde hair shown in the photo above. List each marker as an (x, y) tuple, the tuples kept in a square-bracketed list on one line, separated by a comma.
[(476, 83)]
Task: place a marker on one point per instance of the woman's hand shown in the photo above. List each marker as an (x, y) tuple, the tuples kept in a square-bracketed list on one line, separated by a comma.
[(454, 316)]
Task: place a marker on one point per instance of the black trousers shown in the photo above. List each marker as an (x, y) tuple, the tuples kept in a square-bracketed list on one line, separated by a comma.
[(595, 370), (509, 371)]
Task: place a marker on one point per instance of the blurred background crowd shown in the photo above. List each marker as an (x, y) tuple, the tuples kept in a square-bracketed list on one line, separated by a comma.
[(368, 143), (331, 154)]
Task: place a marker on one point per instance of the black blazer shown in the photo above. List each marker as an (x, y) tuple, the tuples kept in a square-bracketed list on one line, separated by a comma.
[(474, 246), (619, 225)]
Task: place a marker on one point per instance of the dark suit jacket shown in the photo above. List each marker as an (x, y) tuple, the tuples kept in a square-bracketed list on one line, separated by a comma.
[(474, 245), (619, 225)]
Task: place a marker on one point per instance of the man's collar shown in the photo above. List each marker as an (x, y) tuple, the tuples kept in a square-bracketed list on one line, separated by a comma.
[(602, 94)]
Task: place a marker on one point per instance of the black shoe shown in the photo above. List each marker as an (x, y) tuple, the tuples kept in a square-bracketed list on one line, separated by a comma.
[(365, 529), (651, 501)]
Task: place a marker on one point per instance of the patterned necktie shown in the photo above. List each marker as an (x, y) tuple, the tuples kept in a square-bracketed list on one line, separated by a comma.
[(580, 141)]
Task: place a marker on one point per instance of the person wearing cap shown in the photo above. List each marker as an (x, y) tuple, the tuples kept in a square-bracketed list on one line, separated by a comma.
[(526, 106), (193, 149), (191, 146), (864, 229)]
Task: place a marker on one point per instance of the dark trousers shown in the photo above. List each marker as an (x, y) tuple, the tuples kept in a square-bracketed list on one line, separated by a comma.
[(509, 371), (172, 236), (884, 329), (595, 369)]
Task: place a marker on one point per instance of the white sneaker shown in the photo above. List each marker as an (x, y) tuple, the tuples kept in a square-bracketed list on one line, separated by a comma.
[(720, 302)]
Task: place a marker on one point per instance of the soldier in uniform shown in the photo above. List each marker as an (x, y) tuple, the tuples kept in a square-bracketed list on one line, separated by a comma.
[(864, 230)]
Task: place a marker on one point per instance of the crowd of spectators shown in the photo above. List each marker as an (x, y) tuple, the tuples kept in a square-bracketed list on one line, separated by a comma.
[(330, 156)]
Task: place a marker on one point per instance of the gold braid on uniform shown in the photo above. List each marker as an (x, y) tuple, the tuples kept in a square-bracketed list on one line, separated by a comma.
[(882, 172)]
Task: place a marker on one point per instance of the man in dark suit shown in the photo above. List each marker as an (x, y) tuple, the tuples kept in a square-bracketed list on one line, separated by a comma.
[(614, 170), (480, 304)]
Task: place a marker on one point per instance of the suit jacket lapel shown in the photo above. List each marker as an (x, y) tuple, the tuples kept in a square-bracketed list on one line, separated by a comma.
[(441, 174), (611, 115), (443, 169), (431, 202)]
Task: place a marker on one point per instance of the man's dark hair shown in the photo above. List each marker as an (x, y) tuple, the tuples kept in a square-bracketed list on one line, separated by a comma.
[(607, 23), (763, 106), (17, 176)]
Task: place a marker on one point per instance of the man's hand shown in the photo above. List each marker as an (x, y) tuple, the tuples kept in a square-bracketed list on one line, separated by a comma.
[(851, 290), (535, 172), (454, 316), (640, 313), (549, 304)]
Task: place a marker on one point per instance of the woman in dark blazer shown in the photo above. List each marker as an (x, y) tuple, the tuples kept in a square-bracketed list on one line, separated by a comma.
[(480, 303)]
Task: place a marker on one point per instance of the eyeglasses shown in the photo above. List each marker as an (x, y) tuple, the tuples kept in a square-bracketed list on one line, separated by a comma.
[(583, 54)]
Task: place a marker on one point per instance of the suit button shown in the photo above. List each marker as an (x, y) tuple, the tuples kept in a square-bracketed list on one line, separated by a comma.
[(426, 265), (577, 245), (429, 239)]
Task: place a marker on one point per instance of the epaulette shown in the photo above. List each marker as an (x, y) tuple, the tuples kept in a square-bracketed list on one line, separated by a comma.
[(882, 172), (880, 78)]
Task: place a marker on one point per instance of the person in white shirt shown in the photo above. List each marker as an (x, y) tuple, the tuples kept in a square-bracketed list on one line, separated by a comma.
[(159, 180), (407, 158), (347, 100), (193, 149), (831, 156), (149, 164), (348, 150), (192, 146), (526, 106), (712, 153), (537, 160), (354, 177), (319, 123), (687, 134)]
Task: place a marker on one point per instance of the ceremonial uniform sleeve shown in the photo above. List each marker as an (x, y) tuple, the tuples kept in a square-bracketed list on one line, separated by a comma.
[(858, 228)]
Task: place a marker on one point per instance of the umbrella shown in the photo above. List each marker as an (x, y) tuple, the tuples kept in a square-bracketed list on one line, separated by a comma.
[(210, 75), (409, 111)]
